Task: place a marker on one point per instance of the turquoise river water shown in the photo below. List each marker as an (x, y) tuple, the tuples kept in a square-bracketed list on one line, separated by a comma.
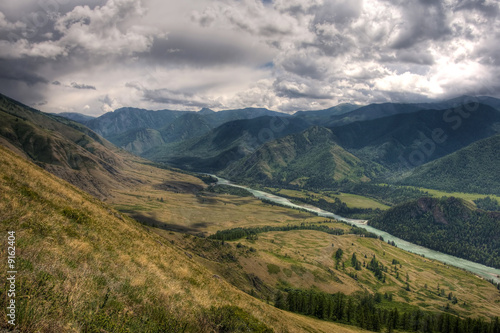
[(480, 270)]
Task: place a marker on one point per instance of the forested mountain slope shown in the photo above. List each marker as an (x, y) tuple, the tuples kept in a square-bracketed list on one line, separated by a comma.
[(311, 157), (408, 140), (473, 169), (225, 144), (448, 225)]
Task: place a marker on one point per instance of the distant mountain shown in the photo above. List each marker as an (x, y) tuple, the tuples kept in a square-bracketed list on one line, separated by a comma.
[(221, 117), (448, 225), (187, 126), (465, 99), (138, 141), (78, 117), (61, 146), (311, 157), (475, 168), (125, 120), (225, 144), (374, 111), (408, 140), (127, 127), (320, 117)]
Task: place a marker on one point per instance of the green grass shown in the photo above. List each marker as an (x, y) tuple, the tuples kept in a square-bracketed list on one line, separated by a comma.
[(466, 196), (358, 201), (351, 200)]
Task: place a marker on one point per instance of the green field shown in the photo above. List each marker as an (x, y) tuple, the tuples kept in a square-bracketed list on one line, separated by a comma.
[(466, 196), (351, 200)]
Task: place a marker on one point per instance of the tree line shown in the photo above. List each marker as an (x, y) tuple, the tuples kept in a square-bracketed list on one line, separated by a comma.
[(365, 312), (447, 225), (238, 233)]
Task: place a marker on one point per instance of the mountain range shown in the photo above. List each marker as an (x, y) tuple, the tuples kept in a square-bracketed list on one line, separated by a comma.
[(382, 142)]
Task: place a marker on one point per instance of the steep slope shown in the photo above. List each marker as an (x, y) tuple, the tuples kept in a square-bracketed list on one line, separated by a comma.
[(83, 267), (63, 147), (185, 127), (311, 157), (448, 225), (408, 140), (473, 169), (226, 143), (138, 141)]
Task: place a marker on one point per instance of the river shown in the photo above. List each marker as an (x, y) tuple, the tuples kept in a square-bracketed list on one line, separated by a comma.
[(483, 271)]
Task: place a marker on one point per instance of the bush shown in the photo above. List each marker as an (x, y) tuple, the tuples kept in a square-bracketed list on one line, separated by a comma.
[(273, 269), (231, 319)]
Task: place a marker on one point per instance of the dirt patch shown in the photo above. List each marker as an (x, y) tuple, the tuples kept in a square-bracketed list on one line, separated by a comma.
[(179, 187)]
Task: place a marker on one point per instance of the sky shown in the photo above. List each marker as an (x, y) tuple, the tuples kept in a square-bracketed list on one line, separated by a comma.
[(95, 56)]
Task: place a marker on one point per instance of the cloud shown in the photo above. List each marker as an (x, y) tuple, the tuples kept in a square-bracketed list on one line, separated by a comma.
[(22, 72), (421, 21), (82, 86), (215, 53), (6, 25), (176, 98), (487, 8)]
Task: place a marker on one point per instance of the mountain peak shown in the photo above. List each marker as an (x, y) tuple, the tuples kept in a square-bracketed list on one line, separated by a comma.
[(206, 111)]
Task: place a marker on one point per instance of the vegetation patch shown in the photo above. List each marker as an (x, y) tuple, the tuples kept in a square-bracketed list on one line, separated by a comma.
[(273, 269)]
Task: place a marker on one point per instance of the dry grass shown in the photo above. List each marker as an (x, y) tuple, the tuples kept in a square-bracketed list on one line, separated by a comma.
[(81, 263), (203, 213), (310, 250), (313, 251)]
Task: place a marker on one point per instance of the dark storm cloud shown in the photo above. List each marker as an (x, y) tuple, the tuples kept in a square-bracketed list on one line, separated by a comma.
[(489, 9), (172, 97), (24, 72), (422, 20), (304, 65), (200, 51), (414, 56), (82, 86), (296, 89), (338, 12)]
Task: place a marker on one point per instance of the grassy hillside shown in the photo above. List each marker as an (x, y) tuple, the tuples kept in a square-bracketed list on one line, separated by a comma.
[(473, 169), (83, 267), (311, 157), (448, 225), (63, 147), (305, 258)]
